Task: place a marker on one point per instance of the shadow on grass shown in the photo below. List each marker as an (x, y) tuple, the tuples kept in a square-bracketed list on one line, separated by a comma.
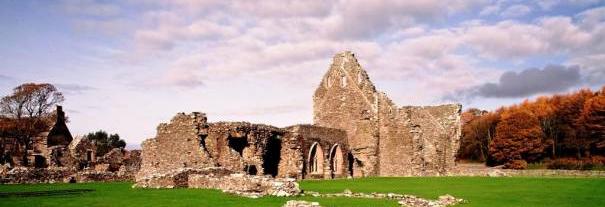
[(46, 193)]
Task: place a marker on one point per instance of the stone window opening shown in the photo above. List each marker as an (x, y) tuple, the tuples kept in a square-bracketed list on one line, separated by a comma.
[(39, 161), (316, 159), (359, 78), (238, 144), (343, 81), (202, 139), (351, 160), (336, 160)]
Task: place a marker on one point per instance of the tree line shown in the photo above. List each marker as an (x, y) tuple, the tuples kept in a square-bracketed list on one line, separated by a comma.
[(551, 128)]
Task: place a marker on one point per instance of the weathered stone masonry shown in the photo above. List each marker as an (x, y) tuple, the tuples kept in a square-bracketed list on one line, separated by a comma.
[(300, 151), (357, 132), (385, 140)]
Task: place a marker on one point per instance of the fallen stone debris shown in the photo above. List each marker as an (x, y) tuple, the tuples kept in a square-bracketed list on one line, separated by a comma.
[(295, 203), (404, 200), (444, 200), (247, 185)]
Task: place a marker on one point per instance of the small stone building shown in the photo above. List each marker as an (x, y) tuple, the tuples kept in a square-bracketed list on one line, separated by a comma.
[(83, 150), (357, 132), (55, 147)]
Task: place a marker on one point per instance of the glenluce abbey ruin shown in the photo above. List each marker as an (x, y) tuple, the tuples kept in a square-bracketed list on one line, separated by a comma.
[(357, 131)]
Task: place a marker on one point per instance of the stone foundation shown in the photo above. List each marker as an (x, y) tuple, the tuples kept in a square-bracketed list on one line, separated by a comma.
[(294, 203), (178, 177), (246, 185)]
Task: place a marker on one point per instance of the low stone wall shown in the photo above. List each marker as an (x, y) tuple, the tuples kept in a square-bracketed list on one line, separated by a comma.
[(97, 176), (247, 185), (35, 175), (479, 170), (22, 175)]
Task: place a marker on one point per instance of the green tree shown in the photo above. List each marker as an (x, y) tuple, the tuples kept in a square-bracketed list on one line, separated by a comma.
[(105, 142)]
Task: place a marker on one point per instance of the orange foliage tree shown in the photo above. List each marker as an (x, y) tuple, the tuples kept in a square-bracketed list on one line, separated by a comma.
[(518, 137), (477, 132), (591, 123)]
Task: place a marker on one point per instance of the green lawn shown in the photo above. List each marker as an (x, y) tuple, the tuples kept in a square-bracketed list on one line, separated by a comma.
[(479, 191)]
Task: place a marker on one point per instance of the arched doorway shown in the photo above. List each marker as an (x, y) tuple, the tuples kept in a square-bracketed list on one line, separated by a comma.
[(336, 161), (316, 159)]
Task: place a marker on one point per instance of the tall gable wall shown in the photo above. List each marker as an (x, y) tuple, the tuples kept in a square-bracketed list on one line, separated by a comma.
[(385, 140)]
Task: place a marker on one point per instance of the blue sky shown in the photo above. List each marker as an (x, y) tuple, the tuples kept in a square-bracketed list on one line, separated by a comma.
[(126, 66)]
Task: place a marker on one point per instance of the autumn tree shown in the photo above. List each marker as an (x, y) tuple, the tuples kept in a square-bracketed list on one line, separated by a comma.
[(518, 137), (567, 115), (591, 123), (477, 132), (29, 108)]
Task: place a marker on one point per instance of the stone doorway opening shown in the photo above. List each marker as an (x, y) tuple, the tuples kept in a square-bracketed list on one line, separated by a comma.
[(272, 156)]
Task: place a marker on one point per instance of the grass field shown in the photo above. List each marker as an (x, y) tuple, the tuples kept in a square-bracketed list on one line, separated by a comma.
[(479, 191)]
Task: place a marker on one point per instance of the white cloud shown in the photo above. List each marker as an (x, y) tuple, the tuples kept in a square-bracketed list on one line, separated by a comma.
[(517, 10)]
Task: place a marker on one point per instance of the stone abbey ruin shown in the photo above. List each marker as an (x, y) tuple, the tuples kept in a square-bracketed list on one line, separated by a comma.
[(357, 132)]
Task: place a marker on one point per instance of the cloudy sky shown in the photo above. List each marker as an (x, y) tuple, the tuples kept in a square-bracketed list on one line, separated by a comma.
[(127, 65)]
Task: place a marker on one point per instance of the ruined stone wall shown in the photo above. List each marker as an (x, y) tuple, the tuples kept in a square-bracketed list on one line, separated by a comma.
[(436, 134), (346, 99), (385, 140), (244, 147), (419, 141), (396, 147), (188, 141), (296, 157), (176, 145)]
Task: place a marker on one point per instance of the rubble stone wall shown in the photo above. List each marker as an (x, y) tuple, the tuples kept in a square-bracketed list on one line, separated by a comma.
[(188, 141), (177, 145), (244, 147)]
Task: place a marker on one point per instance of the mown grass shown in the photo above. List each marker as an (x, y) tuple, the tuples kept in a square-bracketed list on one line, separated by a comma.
[(479, 191)]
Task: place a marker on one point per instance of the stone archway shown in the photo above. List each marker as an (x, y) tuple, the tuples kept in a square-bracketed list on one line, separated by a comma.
[(336, 160), (316, 159)]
